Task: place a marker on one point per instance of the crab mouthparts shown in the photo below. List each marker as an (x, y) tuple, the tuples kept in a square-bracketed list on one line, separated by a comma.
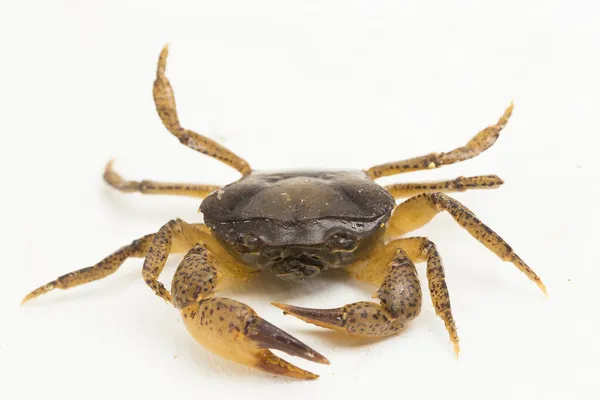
[(297, 269)]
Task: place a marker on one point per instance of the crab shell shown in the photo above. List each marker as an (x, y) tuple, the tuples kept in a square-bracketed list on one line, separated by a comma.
[(298, 222)]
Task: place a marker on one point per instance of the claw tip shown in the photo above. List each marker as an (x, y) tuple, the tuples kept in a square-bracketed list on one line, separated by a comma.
[(281, 306)]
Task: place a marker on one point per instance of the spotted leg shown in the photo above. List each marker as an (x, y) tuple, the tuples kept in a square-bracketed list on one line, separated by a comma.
[(104, 268), (151, 187), (164, 98), (399, 295), (419, 210), (418, 249), (478, 143), (109, 265), (174, 231), (227, 327), (460, 184)]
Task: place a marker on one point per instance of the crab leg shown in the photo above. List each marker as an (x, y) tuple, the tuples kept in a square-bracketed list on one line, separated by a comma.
[(479, 143), (164, 98), (109, 265), (418, 249), (229, 328), (460, 184), (151, 187), (419, 210), (104, 268)]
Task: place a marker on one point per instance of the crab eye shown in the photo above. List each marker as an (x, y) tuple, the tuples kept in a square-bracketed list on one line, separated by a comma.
[(342, 241), (248, 243)]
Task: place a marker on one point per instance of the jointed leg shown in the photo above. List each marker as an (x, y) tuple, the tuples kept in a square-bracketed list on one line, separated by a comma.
[(150, 187), (227, 327), (107, 266), (479, 143), (460, 184), (399, 294), (420, 249), (138, 248), (417, 211), (165, 106), (173, 232)]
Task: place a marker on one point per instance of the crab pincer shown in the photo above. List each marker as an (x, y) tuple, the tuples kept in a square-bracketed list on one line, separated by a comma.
[(234, 331)]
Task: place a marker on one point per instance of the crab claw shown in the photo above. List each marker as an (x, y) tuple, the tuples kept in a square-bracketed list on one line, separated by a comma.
[(234, 331), (332, 318), (363, 318)]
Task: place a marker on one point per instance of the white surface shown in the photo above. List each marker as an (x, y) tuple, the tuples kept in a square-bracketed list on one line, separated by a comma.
[(292, 84)]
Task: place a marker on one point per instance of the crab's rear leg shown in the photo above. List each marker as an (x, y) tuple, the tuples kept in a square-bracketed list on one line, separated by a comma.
[(152, 187), (419, 210), (460, 184), (164, 98), (478, 143), (229, 328)]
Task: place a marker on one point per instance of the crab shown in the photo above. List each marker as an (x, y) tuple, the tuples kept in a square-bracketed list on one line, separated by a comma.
[(298, 224)]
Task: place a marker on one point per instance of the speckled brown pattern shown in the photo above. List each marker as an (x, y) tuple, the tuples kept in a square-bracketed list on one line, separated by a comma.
[(417, 211), (233, 330), (479, 143), (159, 251), (460, 184), (107, 266), (138, 248), (195, 277), (400, 296), (151, 187), (230, 328), (165, 106), (400, 293), (421, 249)]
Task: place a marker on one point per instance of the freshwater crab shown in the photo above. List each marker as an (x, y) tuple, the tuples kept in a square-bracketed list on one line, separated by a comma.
[(299, 224)]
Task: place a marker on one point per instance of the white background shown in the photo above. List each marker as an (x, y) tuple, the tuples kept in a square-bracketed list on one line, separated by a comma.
[(294, 84)]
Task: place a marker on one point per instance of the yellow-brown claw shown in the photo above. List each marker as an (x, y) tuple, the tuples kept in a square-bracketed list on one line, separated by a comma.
[(332, 318), (235, 332)]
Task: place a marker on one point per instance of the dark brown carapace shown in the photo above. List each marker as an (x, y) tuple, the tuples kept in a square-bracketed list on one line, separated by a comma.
[(297, 225), (314, 220)]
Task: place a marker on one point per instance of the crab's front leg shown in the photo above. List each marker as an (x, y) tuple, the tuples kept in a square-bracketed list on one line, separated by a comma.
[(400, 302), (227, 327)]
